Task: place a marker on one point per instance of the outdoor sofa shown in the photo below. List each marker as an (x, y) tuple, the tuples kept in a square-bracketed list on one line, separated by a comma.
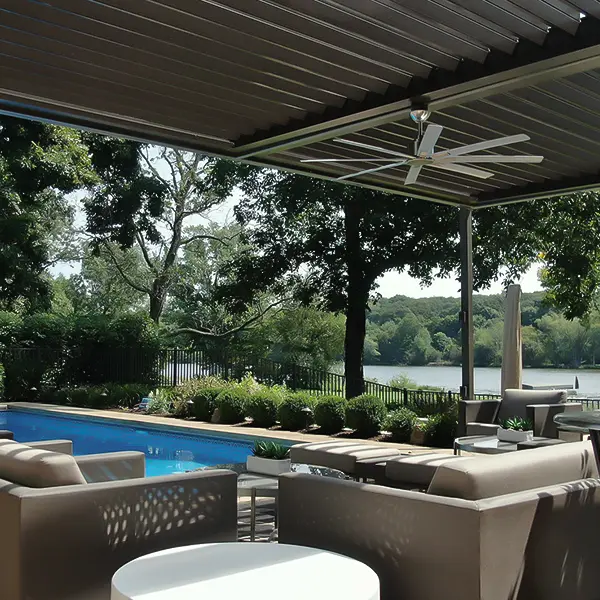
[(482, 417), (68, 523), (516, 526)]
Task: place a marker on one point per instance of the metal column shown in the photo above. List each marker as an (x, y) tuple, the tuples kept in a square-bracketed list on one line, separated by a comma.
[(466, 302)]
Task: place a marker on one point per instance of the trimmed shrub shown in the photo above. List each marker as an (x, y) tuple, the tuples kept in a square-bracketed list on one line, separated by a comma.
[(262, 408), (440, 430), (330, 413), (365, 414), (292, 414), (400, 423), (205, 402), (231, 404)]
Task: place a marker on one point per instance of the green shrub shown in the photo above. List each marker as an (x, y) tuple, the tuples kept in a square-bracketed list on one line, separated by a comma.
[(292, 412), (440, 430), (160, 401), (1, 381), (365, 414), (330, 413), (400, 423), (126, 395), (231, 404), (205, 402), (271, 450), (262, 408)]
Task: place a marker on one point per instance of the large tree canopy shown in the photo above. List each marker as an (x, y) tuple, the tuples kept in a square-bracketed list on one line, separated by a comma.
[(39, 164)]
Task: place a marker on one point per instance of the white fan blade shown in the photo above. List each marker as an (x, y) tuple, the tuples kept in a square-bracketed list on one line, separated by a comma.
[(431, 136), (369, 147), (491, 158), (345, 160), (503, 141), (413, 174), (359, 173), (481, 174)]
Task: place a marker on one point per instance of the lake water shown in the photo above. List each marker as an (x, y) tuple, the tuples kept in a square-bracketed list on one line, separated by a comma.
[(487, 379)]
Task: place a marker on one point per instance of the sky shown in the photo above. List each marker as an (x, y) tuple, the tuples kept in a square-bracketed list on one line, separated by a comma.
[(393, 283)]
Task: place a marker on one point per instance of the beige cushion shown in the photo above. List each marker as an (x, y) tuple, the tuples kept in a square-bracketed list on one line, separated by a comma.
[(514, 402), (418, 469), (490, 476), (36, 468), (337, 455)]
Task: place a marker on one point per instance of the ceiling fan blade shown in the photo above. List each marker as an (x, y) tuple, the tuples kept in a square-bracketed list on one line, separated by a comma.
[(374, 170), (431, 136), (369, 147), (480, 173), (413, 174), (491, 158), (345, 160), (503, 141)]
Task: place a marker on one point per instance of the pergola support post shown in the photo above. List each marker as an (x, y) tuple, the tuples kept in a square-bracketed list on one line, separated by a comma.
[(466, 302)]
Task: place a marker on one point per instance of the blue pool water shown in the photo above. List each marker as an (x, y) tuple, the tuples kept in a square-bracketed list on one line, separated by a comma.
[(166, 451)]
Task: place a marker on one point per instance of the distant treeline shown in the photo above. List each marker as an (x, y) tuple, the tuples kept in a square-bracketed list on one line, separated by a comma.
[(420, 331)]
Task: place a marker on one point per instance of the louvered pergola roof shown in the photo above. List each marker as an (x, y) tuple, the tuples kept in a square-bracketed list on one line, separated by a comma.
[(276, 81)]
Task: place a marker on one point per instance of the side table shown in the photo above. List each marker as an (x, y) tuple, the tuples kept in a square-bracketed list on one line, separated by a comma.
[(253, 571)]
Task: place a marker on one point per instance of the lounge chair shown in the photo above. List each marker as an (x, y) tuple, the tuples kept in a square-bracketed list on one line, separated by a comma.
[(482, 417), (142, 406), (68, 524)]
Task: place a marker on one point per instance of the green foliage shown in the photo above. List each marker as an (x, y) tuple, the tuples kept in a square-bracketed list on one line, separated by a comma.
[(292, 411), (271, 450), (440, 430), (261, 406), (365, 414), (205, 402), (403, 381), (1, 381), (330, 413), (400, 423), (232, 406), (160, 401), (126, 395), (517, 424)]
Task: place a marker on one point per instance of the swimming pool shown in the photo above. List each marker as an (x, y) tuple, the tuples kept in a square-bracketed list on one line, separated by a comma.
[(167, 451)]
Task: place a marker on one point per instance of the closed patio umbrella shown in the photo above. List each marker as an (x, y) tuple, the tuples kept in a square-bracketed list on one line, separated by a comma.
[(512, 364)]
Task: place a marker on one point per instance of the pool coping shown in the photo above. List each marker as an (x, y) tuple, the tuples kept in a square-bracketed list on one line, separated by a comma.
[(198, 427)]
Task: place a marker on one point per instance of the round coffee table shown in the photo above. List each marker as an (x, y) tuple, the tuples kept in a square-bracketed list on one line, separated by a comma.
[(485, 444), (252, 571)]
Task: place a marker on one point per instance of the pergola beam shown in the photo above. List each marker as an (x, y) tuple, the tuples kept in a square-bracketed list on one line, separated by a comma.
[(561, 55)]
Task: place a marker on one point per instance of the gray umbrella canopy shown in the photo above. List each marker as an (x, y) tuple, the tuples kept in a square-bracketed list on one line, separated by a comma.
[(512, 363)]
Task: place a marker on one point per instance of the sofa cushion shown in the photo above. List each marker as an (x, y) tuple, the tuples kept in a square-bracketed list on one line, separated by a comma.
[(514, 402), (337, 455), (418, 469), (489, 476), (31, 467)]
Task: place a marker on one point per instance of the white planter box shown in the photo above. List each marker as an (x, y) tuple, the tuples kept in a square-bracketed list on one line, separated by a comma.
[(267, 466), (510, 435)]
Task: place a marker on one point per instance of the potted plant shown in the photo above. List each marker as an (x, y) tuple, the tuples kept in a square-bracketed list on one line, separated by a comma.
[(269, 458), (515, 430)]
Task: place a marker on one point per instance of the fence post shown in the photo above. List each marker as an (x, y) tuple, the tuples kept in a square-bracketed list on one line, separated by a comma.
[(294, 377), (225, 365), (405, 396), (175, 365), (450, 396)]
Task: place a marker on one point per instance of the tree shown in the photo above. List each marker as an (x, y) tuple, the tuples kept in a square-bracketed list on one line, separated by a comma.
[(39, 165), (150, 205)]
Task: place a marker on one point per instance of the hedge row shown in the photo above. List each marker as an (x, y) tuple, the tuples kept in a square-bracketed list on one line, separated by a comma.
[(211, 398)]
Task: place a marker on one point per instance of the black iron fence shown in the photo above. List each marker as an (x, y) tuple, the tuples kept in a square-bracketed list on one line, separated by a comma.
[(29, 370)]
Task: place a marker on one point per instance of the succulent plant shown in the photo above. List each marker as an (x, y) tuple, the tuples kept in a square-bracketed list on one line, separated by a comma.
[(271, 450), (517, 424)]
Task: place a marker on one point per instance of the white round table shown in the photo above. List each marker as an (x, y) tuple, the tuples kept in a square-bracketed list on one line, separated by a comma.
[(252, 571)]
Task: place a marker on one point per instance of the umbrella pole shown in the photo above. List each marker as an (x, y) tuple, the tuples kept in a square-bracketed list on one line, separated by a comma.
[(466, 302)]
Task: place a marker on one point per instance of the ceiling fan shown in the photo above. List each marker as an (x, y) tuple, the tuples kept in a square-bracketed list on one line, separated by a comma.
[(425, 156)]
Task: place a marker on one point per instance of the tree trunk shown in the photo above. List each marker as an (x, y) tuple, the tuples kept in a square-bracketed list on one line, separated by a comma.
[(158, 297), (357, 300)]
